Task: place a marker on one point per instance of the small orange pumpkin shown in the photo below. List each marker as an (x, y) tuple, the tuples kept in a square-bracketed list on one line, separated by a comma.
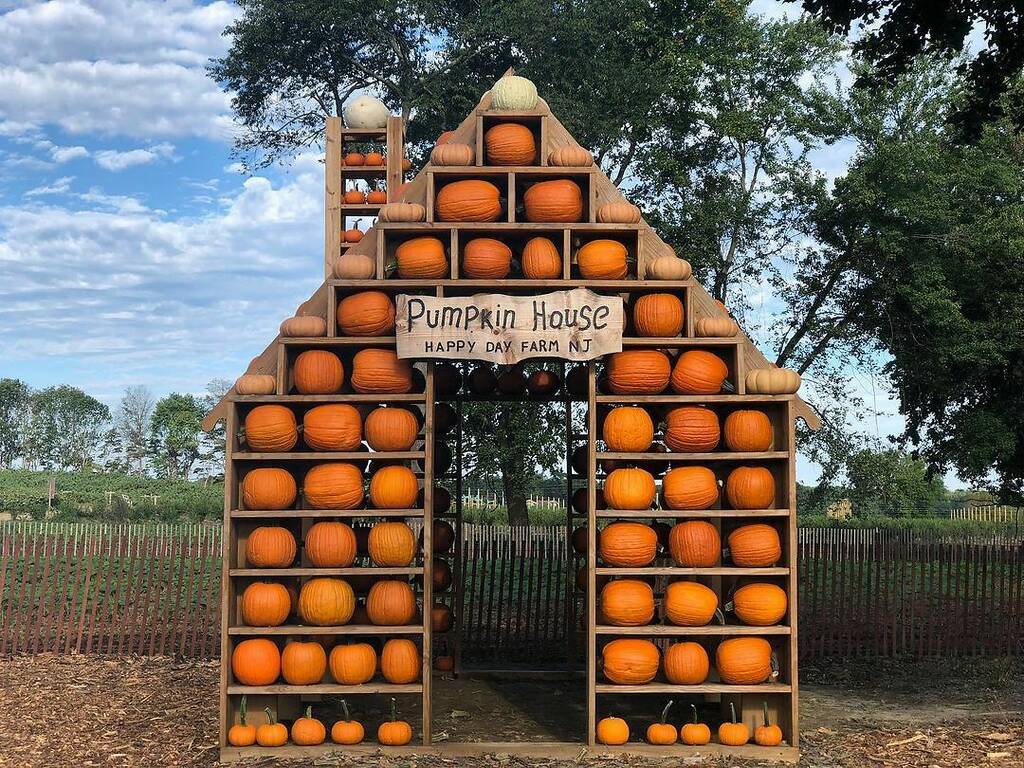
[(612, 731), (698, 372), (627, 544), (558, 200), (662, 733), (347, 731), (271, 428), (374, 159), (394, 732), (686, 663), (638, 372), (400, 661), (355, 197), (318, 372), (689, 487), (353, 235), (367, 313), (468, 200), (658, 314), (380, 371), (541, 259), (242, 734), (485, 258), (602, 259), (376, 197), (421, 258), (355, 159), (271, 733), (767, 734), (733, 733), (510, 144), (308, 731), (692, 429), (695, 733), (630, 661), (332, 427), (337, 485)]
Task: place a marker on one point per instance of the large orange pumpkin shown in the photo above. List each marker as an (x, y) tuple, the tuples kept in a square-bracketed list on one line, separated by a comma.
[(658, 314), (755, 546), (695, 544), (303, 663), (602, 260), (379, 371), (421, 258), (638, 372), (629, 661), (330, 544), (326, 602), (265, 604), (367, 313), (692, 429), (353, 663), (759, 604), (628, 545), (485, 258), (750, 488), (697, 372), (541, 259), (391, 544), (744, 660), (555, 200), (510, 144), (689, 604), (338, 485), (468, 200), (332, 427), (268, 488), (270, 546), (394, 487), (627, 603), (747, 430), (686, 664), (629, 488), (271, 428), (689, 488), (391, 429), (400, 661), (256, 662), (318, 372), (628, 429), (391, 603)]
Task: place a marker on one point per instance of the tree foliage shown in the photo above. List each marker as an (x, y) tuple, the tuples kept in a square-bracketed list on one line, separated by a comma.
[(176, 435), (892, 484), (15, 407), (66, 428)]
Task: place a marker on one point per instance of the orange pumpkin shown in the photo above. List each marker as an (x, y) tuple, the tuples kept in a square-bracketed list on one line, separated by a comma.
[(367, 313), (695, 544), (256, 662), (355, 158), (268, 488), (689, 604), (353, 235), (468, 200), (628, 429), (767, 734), (241, 734), (485, 258), (662, 733), (747, 430), (692, 429), (318, 372), (400, 661), (394, 732), (755, 546), (271, 733), (744, 661), (602, 260), (759, 604), (421, 258), (270, 546), (376, 197), (555, 200), (629, 661), (355, 197), (541, 259), (271, 428), (374, 159), (391, 544), (612, 731), (510, 144), (695, 733), (638, 372), (689, 488), (332, 427), (394, 487), (658, 314), (347, 731), (733, 733), (353, 663), (326, 602), (303, 663), (338, 485), (697, 372), (391, 429), (629, 488), (265, 604), (750, 488), (627, 603), (330, 544), (379, 371), (686, 663), (627, 545), (391, 603), (308, 731)]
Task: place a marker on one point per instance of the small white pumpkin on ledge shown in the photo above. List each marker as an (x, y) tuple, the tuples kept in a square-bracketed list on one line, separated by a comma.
[(668, 266), (772, 381), (355, 266), (255, 384), (304, 326)]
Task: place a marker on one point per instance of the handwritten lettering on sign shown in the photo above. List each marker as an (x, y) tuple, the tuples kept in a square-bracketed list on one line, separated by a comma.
[(572, 325)]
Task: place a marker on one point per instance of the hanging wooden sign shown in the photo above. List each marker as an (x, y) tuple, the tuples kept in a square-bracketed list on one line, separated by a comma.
[(571, 325)]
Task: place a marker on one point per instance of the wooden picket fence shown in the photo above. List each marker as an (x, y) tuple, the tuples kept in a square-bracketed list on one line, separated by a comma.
[(154, 590)]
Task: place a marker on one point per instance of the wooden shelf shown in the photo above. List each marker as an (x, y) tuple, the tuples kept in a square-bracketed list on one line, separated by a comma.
[(688, 513), (511, 226), (339, 341), (364, 172), (329, 455), (324, 688), (548, 285), (340, 397), (730, 399), (329, 513), (300, 571), (660, 342), (722, 688), (359, 209), (721, 570), (659, 630), (344, 629), (712, 456), (363, 134)]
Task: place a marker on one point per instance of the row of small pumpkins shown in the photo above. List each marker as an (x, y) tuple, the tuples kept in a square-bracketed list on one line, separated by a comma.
[(354, 196), (614, 731), (259, 661), (308, 731), (688, 429), (332, 427), (507, 144), (738, 661), (689, 487), (332, 485), (328, 601), (630, 603), (321, 372), (691, 544)]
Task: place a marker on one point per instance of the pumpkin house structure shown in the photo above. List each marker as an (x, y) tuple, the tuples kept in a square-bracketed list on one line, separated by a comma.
[(336, 451)]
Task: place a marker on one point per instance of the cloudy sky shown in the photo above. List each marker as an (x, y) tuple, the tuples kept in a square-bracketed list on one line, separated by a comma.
[(132, 251)]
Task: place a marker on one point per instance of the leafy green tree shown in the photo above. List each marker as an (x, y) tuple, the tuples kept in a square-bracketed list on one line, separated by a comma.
[(131, 424), (176, 436), (216, 439), (893, 484), (66, 429), (15, 404)]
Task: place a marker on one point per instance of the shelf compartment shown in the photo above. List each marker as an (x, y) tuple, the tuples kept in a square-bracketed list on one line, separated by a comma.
[(323, 688), (660, 630), (301, 571), (326, 513), (689, 513), (723, 570), (720, 688), (344, 629)]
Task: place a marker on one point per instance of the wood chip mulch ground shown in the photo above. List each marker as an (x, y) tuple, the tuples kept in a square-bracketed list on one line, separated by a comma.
[(63, 711)]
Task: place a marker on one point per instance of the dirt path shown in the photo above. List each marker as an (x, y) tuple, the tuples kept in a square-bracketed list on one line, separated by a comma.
[(150, 713)]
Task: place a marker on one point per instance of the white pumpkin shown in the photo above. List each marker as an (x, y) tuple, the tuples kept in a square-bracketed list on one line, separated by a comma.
[(513, 93), (366, 112)]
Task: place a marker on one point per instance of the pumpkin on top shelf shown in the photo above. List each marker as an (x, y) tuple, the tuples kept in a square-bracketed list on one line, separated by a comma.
[(510, 144), (513, 93)]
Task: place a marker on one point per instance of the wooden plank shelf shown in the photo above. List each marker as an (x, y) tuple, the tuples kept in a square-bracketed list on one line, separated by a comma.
[(622, 286), (328, 513), (711, 456), (344, 629), (513, 226), (340, 397), (323, 688), (720, 688), (688, 513), (330, 456), (659, 342), (359, 209), (363, 172), (671, 399), (339, 341), (720, 570), (660, 630), (364, 134), (299, 571)]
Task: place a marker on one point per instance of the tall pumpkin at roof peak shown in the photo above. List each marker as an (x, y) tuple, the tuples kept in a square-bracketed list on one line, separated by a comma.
[(513, 92), (366, 112)]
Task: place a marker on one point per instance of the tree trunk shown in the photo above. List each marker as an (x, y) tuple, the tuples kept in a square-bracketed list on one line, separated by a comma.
[(515, 503), (513, 473)]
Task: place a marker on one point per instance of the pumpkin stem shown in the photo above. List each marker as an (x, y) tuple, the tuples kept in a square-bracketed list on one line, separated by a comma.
[(764, 706), (732, 709), (730, 607), (241, 710), (394, 710), (775, 665), (664, 713), (344, 708), (694, 708), (270, 716), (720, 616), (309, 712)]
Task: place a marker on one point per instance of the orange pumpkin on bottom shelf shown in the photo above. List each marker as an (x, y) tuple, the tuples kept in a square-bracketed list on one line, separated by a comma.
[(271, 733), (733, 734), (347, 731), (394, 732), (612, 731), (766, 734), (662, 733), (308, 731), (686, 663), (242, 734), (400, 661), (695, 733)]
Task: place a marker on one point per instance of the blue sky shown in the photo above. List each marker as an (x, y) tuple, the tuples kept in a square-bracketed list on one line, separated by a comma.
[(132, 251)]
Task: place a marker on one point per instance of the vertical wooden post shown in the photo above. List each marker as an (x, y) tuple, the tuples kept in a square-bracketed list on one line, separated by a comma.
[(332, 194), (396, 153), (428, 547), (591, 554), (227, 544)]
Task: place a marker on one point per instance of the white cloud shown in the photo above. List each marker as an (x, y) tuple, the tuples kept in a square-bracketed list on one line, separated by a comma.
[(59, 187), (112, 160), (66, 154)]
